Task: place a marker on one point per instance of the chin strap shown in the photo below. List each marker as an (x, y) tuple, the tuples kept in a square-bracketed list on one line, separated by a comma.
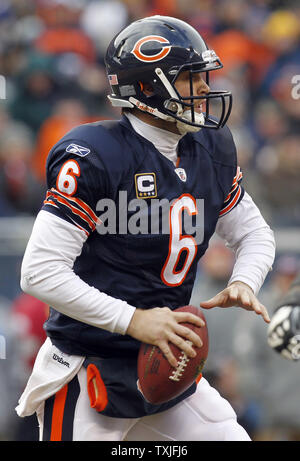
[(184, 128), (150, 110)]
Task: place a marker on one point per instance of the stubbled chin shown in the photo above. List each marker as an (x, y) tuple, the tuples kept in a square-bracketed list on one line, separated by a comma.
[(184, 128)]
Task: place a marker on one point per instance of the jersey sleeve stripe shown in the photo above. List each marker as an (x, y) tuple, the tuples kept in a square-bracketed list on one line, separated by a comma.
[(231, 192), (50, 202), (232, 203), (79, 203), (237, 179), (73, 209), (77, 212), (80, 227), (234, 190), (238, 174)]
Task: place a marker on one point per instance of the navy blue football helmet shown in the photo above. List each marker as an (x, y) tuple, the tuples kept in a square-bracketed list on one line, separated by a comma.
[(155, 50)]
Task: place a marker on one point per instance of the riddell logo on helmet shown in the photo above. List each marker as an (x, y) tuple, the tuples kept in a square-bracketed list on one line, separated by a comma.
[(144, 107), (137, 49)]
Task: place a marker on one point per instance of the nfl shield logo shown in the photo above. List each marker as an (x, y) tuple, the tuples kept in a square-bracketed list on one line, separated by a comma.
[(181, 174)]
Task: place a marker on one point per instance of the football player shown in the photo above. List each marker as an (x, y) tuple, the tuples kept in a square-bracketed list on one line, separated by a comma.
[(284, 327), (101, 257)]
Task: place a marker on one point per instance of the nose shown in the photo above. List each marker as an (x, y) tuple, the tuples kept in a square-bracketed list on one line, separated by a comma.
[(201, 86)]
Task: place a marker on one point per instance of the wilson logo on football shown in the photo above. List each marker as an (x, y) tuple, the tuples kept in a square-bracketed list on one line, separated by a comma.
[(138, 53)]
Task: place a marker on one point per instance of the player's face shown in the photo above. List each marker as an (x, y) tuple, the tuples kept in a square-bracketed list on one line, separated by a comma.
[(200, 88)]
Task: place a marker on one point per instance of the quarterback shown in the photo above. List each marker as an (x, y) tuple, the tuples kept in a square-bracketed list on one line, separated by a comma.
[(109, 291)]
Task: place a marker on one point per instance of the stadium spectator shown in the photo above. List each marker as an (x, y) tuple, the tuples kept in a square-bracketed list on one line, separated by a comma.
[(36, 91), (20, 190), (66, 115)]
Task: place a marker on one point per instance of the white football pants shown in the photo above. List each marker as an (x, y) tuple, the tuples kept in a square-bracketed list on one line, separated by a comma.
[(204, 416)]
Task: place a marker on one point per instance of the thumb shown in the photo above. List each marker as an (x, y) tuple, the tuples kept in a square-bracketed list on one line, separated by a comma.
[(213, 302)]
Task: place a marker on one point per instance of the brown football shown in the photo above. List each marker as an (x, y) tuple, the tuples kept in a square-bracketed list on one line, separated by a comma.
[(159, 382)]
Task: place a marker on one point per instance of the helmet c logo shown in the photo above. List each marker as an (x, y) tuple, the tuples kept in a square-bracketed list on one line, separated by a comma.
[(155, 57)]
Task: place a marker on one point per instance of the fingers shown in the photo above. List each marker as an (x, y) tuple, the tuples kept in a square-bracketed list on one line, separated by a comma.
[(185, 345), (188, 317), (246, 300), (251, 303), (213, 302), (240, 295), (181, 336), (264, 313), (166, 350), (192, 337), (161, 326)]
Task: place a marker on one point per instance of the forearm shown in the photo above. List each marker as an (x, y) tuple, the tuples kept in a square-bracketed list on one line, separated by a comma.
[(254, 258), (47, 274), (248, 235)]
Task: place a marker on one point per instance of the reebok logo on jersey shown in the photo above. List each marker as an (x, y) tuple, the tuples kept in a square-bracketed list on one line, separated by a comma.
[(60, 360), (78, 150)]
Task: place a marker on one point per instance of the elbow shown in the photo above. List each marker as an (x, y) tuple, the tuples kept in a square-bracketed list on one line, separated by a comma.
[(25, 283), (23, 278), (28, 277), (272, 243)]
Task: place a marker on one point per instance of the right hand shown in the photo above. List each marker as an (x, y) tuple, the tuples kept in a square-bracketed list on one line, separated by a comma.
[(160, 326)]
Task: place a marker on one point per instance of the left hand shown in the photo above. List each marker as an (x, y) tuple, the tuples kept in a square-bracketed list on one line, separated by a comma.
[(238, 294)]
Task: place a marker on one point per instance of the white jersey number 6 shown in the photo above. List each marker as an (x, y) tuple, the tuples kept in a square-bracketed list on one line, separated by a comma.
[(66, 180), (179, 243)]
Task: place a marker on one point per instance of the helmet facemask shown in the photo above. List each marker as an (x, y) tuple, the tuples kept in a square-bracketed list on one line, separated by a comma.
[(190, 116), (168, 104)]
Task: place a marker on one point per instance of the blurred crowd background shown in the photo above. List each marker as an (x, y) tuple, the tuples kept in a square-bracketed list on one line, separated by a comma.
[(52, 78)]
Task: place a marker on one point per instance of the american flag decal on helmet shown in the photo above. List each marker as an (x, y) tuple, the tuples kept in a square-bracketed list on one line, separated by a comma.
[(113, 79)]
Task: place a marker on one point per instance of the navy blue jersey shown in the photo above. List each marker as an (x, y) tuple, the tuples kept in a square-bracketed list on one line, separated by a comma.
[(139, 249)]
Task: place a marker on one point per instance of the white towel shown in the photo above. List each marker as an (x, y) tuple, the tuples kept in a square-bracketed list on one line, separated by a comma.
[(51, 371)]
